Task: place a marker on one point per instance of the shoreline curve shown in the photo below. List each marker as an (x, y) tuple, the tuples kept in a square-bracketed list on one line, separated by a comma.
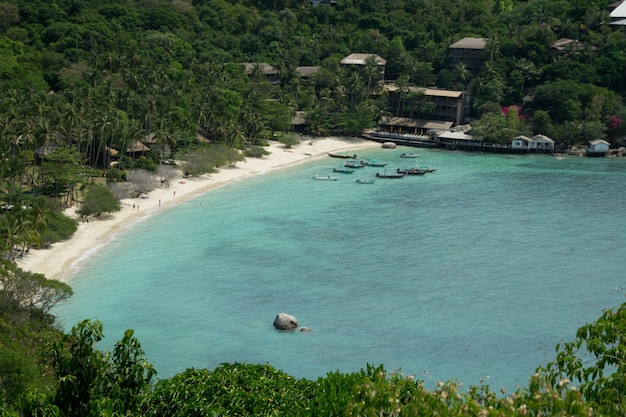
[(61, 260)]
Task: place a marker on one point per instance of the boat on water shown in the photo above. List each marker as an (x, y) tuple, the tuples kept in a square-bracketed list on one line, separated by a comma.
[(426, 168), (409, 155), (353, 164), (410, 171), (392, 175), (343, 170), (324, 178), (341, 155), (365, 181), (373, 163)]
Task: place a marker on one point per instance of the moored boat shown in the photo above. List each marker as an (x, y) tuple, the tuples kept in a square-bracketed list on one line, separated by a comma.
[(427, 169), (365, 181), (324, 178), (373, 163), (353, 164), (409, 155), (410, 171), (343, 170), (341, 155), (396, 175)]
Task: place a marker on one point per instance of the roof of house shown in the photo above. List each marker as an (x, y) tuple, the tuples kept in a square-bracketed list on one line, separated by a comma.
[(442, 93), (542, 138), (433, 92), (202, 139), (523, 137), (470, 43), (618, 15), (566, 43), (456, 136), (359, 59), (137, 146), (423, 124), (619, 10), (299, 119), (265, 68), (598, 142), (307, 71)]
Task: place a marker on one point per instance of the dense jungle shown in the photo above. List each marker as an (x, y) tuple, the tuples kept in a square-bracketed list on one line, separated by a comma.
[(86, 83)]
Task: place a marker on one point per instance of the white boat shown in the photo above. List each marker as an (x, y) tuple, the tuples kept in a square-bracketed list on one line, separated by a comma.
[(325, 178), (409, 155), (365, 181)]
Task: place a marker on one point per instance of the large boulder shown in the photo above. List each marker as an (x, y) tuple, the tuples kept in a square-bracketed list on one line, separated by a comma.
[(285, 321)]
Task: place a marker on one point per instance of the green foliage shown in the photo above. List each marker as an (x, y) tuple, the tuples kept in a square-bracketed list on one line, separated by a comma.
[(93, 383), (596, 359), (98, 199), (230, 390), (25, 325), (288, 140), (204, 159), (61, 170), (495, 128), (145, 163), (58, 227), (27, 293), (115, 175), (90, 79), (255, 152)]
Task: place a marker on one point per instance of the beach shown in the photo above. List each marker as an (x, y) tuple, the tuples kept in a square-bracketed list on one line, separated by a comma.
[(59, 261)]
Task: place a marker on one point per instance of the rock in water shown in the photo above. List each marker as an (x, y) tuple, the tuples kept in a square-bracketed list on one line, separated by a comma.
[(285, 321)]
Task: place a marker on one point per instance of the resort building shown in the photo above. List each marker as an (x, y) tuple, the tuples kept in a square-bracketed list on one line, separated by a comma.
[(618, 14), (567, 46), (538, 143), (316, 3), (470, 51), (448, 105), (457, 140), (361, 61), (598, 147), (412, 127), (308, 71), (262, 68)]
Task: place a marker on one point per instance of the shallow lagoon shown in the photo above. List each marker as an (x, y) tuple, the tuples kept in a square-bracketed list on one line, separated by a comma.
[(472, 273)]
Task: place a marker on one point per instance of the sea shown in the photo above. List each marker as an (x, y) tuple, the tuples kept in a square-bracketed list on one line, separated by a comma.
[(472, 274)]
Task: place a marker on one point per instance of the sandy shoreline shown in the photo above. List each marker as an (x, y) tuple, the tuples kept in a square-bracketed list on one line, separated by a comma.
[(60, 260)]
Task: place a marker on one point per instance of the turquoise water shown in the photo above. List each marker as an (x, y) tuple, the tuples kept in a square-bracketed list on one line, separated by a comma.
[(472, 273)]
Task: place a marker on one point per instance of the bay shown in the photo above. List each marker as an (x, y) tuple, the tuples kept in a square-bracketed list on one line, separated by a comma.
[(472, 273)]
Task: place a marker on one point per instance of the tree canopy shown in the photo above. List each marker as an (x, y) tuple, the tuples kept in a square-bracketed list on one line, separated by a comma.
[(87, 83)]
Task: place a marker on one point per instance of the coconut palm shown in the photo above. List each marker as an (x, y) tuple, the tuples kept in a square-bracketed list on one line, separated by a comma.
[(402, 83), (372, 72)]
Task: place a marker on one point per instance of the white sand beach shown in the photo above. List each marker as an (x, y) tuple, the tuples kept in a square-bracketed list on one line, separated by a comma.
[(61, 259)]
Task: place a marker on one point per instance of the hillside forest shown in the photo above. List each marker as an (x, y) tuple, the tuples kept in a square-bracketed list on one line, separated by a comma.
[(101, 99)]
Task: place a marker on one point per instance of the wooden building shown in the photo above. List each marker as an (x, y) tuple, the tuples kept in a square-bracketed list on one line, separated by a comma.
[(262, 68), (449, 105), (598, 147), (470, 51), (538, 143), (360, 60)]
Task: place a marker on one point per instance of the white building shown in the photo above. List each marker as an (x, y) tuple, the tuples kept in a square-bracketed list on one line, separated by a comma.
[(598, 147), (538, 143), (618, 15)]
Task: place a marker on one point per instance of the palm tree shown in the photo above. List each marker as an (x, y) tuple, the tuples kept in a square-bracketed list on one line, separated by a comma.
[(326, 99), (402, 83), (341, 96), (461, 72), (372, 72), (104, 127)]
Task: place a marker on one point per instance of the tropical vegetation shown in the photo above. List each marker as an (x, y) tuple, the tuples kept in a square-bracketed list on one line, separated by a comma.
[(99, 99)]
